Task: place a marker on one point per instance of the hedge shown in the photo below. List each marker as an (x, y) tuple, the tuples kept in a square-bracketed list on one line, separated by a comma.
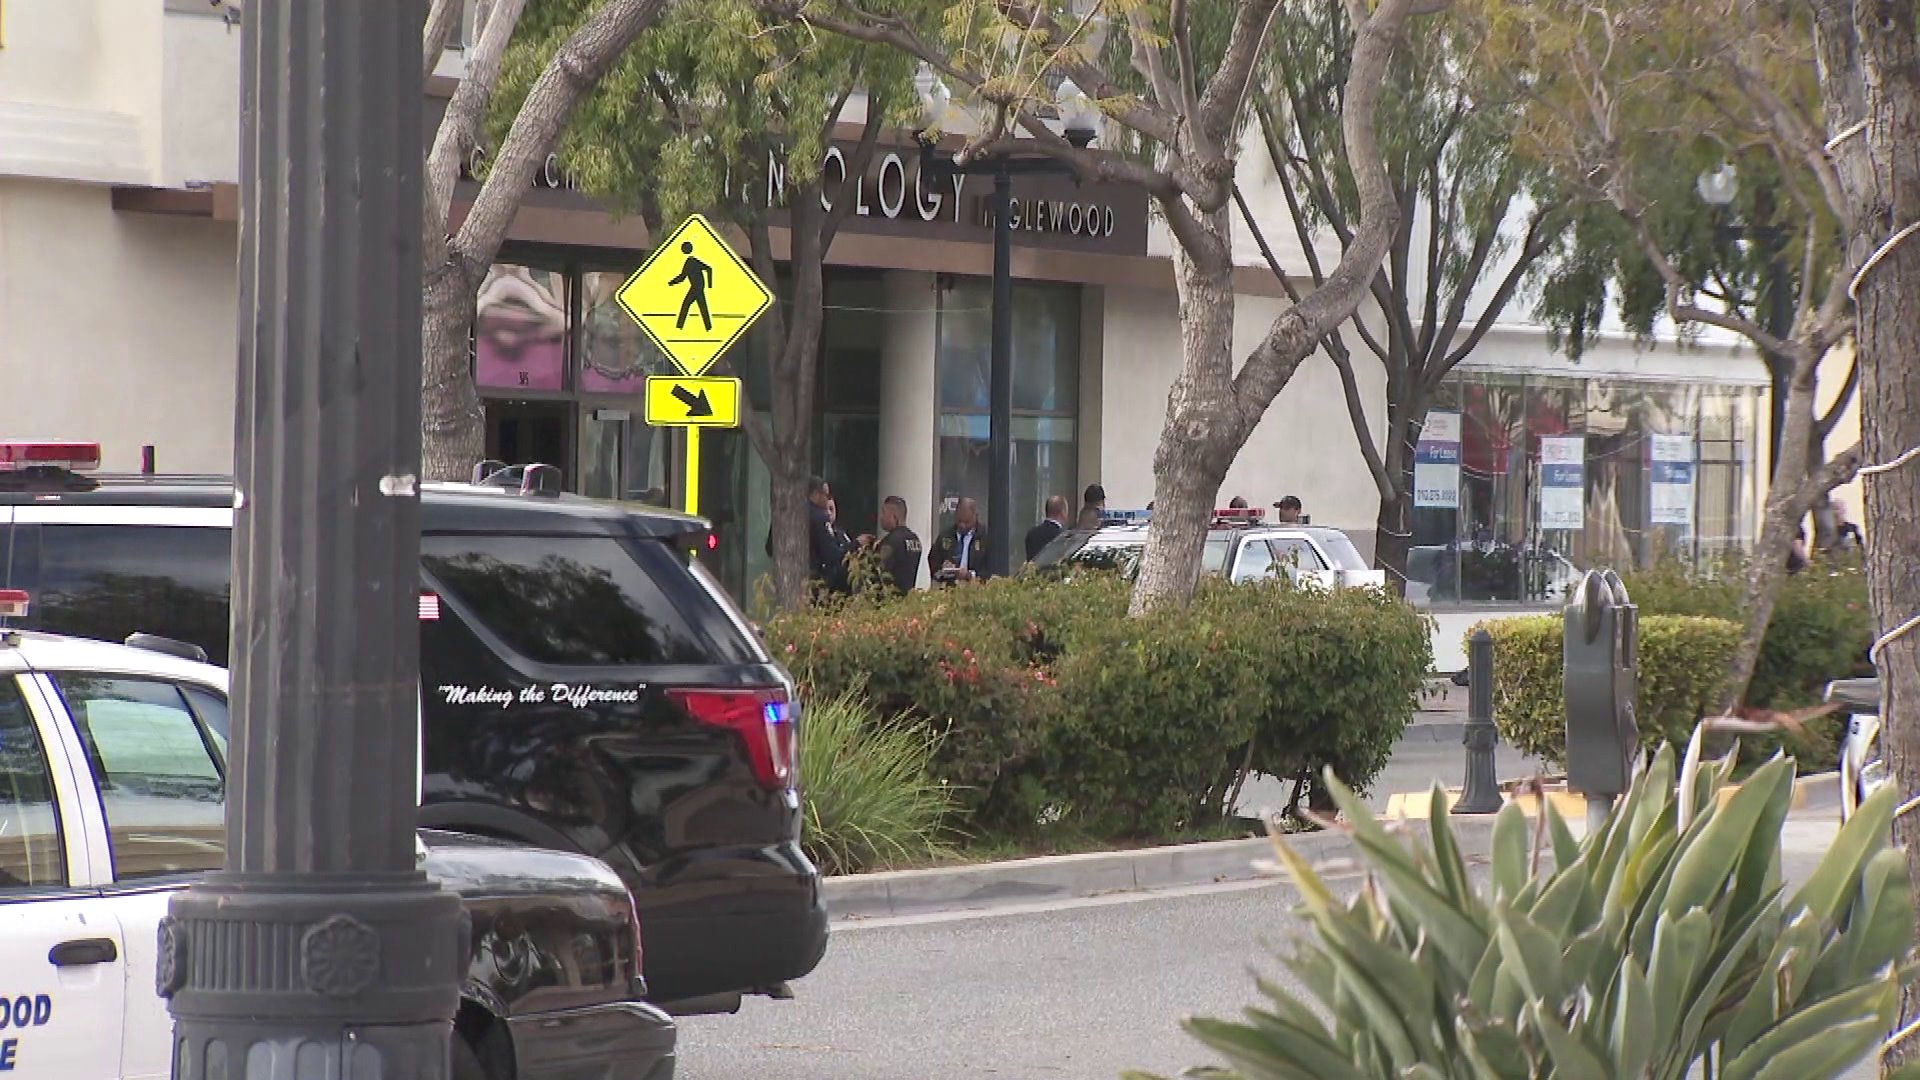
[(1821, 627), (1683, 660), (1054, 709)]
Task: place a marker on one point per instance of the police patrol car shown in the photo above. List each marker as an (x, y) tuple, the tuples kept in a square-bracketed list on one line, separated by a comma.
[(1240, 544), (112, 762), (586, 686)]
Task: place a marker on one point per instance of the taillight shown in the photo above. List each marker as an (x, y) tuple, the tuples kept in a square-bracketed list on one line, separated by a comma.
[(72, 456), (13, 603), (765, 721)]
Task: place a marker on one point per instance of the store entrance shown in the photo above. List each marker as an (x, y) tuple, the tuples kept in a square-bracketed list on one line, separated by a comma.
[(525, 432)]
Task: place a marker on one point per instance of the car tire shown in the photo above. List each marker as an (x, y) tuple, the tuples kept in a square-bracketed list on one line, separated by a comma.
[(466, 1062)]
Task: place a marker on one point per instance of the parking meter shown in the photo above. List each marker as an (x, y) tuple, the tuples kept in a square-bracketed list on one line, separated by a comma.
[(1601, 683)]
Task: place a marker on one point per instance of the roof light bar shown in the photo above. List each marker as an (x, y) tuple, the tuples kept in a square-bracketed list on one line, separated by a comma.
[(13, 603), (1240, 513), (1125, 517), (48, 454)]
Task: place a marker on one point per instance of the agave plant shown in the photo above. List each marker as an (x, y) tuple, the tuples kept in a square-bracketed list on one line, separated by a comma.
[(1664, 946)]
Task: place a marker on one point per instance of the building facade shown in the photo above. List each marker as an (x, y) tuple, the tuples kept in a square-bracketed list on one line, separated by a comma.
[(118, 234)]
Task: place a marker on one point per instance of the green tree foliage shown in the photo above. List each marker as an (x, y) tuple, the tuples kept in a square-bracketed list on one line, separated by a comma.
[(726, 111)]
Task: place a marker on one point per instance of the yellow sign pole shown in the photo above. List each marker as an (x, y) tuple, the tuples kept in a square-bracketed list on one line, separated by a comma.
[(693, 470)]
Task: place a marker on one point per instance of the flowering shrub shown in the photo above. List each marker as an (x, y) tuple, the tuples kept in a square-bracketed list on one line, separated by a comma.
[(1051, 705)]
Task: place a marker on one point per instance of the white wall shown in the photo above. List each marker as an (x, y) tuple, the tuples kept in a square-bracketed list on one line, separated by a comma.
[(200, 81), (80, 90), (1304, 446), (907, 394), (119, 328)]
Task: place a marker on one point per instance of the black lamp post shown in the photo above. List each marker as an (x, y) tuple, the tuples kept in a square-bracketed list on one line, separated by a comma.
[(321, 951), (1078, 118)]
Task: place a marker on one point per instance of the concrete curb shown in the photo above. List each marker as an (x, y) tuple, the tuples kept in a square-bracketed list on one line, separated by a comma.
[(1442, 731), (1069, 877)]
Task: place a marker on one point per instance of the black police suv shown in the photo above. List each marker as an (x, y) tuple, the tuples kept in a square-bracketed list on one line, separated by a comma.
[(585, 686)]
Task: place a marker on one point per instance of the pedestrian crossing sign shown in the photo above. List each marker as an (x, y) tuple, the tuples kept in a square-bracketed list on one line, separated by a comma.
[(693, 296)]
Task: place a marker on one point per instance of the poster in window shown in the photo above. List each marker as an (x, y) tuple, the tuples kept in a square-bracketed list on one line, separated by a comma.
[(1563, 482), (1436, 462), (1671, 500)]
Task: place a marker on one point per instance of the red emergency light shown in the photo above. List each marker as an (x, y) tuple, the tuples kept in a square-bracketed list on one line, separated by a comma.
[(18, 454), (13, 603), (1239, 513)]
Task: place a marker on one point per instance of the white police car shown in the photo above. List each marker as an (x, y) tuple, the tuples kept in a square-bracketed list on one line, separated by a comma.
[(112, 789), (1240, 545)]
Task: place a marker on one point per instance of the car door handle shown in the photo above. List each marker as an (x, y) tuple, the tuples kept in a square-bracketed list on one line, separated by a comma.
[(82, 951)]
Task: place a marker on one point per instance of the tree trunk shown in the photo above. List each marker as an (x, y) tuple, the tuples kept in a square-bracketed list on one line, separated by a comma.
[(1393, 524), (452, 421), (1788, 496), (1870, 71), (1203, 430)]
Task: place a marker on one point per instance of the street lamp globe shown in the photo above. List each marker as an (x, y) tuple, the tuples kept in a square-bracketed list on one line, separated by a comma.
[(935, 98), (1720, 186), (1078, 115)]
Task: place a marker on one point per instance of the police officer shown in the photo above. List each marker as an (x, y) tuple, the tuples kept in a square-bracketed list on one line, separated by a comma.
[(960, 553), (827, 546), (898, 545)]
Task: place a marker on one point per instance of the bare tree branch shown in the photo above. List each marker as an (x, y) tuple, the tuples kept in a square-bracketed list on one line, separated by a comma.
[(461, 126), (441, 19), (1226, 91), (1538, 239), (1824, 425), (857, 162), (1293, 335), (586, 56)]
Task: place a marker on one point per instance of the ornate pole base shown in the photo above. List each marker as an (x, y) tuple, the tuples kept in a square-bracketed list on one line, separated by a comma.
[(273, 979)]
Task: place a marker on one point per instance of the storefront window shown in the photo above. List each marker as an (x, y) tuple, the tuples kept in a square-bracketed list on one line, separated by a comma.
[(1559, 474), (847, 441), (1046, 389), (520, 330), (616, 356)]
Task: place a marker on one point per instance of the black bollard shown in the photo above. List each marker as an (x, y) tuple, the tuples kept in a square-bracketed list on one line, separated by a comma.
[(1482, 794)]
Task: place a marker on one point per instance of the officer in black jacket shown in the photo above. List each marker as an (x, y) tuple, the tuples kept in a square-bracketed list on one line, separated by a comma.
[(827, 545), (899, 546), (1051, 526)]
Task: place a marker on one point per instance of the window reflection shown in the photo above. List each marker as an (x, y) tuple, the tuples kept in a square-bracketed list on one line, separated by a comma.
[(520, 329), (1660, 470), (616, 356)]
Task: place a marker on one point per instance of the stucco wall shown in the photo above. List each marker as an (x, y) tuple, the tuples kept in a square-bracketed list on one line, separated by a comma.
[(1304, 446), (117, 327)]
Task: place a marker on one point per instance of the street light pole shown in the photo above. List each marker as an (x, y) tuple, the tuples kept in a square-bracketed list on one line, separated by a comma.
[(321, 951), (1078, 120), (1000, 383)]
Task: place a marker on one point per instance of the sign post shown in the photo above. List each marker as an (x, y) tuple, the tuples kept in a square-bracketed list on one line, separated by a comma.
[(695, 298)]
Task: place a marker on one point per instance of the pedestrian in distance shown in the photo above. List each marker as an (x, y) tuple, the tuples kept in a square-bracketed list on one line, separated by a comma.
[(1093, 504), (959, 553), (898, 546), (1238, 502), (1289, 510), (1050, 526)]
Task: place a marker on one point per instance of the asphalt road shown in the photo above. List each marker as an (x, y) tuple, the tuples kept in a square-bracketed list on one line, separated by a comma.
[(1069, 994)]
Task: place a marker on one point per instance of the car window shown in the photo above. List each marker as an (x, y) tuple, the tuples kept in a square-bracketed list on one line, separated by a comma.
[(108, 581), (1121, 557), (159, 779), (31, 856), (1341, 550), (212, 710), (1213, 557), (1294, 552), (1255, 561), (585, 601)]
